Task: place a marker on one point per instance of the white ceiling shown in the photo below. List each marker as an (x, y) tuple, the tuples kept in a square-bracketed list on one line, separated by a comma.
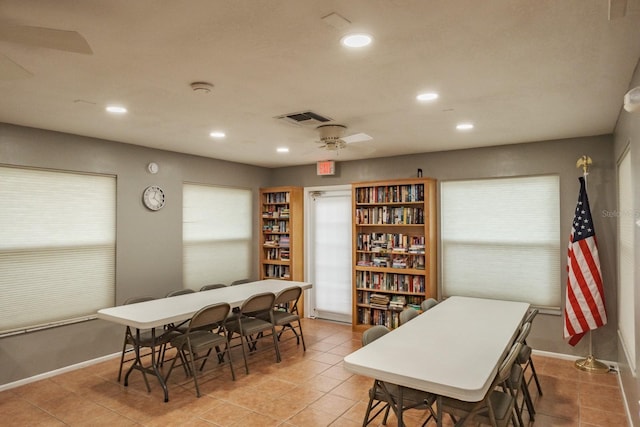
[(520, 70)]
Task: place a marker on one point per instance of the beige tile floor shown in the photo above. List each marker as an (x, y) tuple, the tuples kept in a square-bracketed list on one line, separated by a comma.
[(305, 389)]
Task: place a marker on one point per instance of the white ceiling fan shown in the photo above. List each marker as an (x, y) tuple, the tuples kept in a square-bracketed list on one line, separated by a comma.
[(333, 138), (50, 38)]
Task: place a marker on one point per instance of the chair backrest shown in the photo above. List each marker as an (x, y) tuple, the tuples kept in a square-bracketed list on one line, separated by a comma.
[(289, 297), (258, 303), (179, 292), (532, 314), (373, 333), (213, 286), (135, 300), (524, 332), (505, 368), (408, 314), (209, 316), (428, 303), (239, 282)]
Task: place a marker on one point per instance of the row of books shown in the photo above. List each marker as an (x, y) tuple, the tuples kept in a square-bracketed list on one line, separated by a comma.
[(277, 254), (390, 194), (279, 197), (413, 261), (390, 281), (390, 319), (275, 226), (394, 242), (390, 215), (274, 211), (276, 271), (379, 300), (396, 301)]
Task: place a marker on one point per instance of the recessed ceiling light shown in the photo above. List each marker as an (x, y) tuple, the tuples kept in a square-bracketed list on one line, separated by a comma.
[(116, 109), (427, 96), (282, 150), (217, 134), (464, 126), (356, 40)]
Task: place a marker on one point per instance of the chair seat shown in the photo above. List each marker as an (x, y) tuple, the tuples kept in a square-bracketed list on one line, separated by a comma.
[(282, 318), (162, 337), (501, 403), (199, 340), (411, 398), (250, 326)]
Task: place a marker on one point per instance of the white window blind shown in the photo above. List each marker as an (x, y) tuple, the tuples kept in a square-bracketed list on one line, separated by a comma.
[(501, 239), (216, 234), (57, 247), (626, 293)]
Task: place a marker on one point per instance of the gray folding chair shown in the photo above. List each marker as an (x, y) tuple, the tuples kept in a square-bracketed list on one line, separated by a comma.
[(428, 303), (286, 315), (199, 338), (239, 282), (250, 324), (407, 314), (496, 408), (383, 395), (213, 286)]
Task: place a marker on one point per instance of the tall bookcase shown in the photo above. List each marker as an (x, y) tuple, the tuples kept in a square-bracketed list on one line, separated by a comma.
[(281, 235), (394, 248)]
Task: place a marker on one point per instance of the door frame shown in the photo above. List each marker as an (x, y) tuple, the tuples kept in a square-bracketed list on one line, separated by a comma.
[(308, 253)]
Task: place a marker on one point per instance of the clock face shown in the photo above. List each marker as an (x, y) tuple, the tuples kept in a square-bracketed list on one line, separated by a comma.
[(153, 197)]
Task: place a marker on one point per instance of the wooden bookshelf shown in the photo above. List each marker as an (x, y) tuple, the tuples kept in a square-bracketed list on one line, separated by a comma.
[(281, 234), (394, 248)]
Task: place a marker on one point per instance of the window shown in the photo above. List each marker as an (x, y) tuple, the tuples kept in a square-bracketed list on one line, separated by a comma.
[(626, 294), (216, 234), (57, 247), (501, 239)]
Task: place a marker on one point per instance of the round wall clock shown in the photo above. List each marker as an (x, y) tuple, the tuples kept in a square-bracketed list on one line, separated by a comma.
[(153, 197)]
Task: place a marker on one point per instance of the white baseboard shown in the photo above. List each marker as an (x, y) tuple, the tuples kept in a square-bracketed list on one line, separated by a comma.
[(55, 372)]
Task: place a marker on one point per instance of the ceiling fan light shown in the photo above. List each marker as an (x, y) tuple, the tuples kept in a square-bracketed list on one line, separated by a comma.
[(356, 40)]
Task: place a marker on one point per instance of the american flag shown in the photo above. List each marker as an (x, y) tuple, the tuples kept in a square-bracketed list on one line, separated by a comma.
[(584, 306)]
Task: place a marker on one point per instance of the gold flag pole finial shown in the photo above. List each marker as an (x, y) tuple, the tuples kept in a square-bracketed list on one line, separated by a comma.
[(584, 162)]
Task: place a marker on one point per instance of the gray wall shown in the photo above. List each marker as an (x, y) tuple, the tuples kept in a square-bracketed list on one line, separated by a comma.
[(627, 134), (549, 157), (149, 244)]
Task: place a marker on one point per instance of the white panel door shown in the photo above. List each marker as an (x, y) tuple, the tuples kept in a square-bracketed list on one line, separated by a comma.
[(328, 248)]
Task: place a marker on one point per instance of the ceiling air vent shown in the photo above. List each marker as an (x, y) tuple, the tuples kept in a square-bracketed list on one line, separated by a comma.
[(305, 118)]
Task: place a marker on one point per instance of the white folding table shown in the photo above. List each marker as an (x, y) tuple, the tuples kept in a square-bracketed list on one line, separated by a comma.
[(159, 312), (454, 349)]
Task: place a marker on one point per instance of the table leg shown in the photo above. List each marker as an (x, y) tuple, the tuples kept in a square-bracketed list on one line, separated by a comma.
[(439, 409), (154, 365)]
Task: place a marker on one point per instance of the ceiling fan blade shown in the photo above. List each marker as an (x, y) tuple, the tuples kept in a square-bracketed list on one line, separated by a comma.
[(357, 137), (10, 70), (68, 41)]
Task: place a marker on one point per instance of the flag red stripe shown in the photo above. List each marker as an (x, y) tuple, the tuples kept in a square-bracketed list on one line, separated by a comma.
[(594, 272)]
